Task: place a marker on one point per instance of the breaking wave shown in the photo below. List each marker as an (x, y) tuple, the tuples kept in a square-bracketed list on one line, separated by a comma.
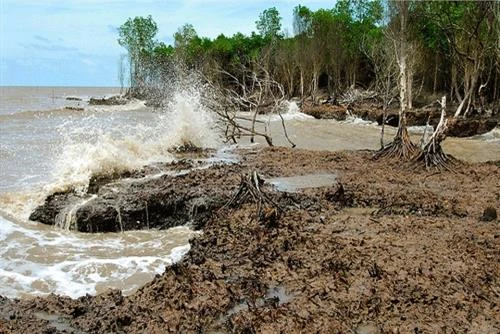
[(289, 111), (39, 260), (107, 144)]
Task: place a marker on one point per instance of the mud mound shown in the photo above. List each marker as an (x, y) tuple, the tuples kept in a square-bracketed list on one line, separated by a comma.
[(143, 201)]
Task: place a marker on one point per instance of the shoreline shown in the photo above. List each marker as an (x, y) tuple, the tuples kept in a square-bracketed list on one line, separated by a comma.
[(461, 127), (397, 249)]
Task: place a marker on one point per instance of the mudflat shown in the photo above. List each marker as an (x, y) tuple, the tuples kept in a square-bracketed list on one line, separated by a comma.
[(382, 247)]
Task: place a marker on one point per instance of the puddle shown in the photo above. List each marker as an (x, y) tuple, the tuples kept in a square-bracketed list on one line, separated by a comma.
[(60, 324), (280, 293), (295, 183), (277, 294)]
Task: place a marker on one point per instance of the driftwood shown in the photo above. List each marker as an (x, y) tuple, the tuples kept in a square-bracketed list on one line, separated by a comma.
[(250, 189), (432, 154)]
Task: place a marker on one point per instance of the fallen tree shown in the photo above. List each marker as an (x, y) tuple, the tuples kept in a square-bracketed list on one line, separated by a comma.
[(256, 92)]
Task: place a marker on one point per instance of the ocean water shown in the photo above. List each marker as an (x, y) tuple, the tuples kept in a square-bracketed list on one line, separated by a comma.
[(46, 147)]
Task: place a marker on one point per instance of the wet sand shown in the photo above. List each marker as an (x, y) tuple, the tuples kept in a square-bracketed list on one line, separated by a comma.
[(384, 249)]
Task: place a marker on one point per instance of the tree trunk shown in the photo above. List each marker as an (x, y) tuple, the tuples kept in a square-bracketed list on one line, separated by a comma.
[(432, 154), (409, 87), (495, 87), (434, 86), (403, 93), (401, 146), (471, 76), (291, 83), (454, 86), (301, 84)]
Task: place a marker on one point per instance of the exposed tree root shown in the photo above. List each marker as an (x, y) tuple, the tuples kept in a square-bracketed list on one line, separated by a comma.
[(250, 190), (401, 147), (432, 155)]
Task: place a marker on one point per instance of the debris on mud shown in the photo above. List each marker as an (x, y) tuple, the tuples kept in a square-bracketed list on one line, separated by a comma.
[(383, 250)]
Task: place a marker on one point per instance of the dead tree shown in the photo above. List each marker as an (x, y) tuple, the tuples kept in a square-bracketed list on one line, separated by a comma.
[(432, 154), (255, 93), (383, 61)]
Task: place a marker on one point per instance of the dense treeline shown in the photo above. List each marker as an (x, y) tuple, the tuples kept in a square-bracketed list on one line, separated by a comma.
[(450, 47)]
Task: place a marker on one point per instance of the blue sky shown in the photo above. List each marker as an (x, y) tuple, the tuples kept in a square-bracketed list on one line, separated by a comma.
[(73, 42)]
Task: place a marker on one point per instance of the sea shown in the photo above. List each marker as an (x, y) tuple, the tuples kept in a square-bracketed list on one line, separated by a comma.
[(51, 140)]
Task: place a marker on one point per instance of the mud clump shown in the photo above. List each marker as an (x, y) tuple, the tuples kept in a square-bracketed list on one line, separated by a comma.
[(394, 251), (115, 100), (326, 111), (489, 214)]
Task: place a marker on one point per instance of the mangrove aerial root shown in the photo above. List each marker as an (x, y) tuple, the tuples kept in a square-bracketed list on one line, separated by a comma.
[(434, 157), (400, 148), (432, 153)]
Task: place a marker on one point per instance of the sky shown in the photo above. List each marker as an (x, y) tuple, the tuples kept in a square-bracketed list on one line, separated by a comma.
[(74, 42)]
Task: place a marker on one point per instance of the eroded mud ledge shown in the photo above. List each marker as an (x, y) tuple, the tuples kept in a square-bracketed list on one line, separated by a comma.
[(457, 127), (162, 197), (396, 250)]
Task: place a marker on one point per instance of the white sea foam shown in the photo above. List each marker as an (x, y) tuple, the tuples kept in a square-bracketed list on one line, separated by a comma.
[(104, 144), (47, 260), (37, 259), (289, 111), (355, 120), (420, 129)]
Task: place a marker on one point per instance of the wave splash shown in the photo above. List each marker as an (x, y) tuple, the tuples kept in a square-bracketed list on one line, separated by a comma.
[(110, 144)]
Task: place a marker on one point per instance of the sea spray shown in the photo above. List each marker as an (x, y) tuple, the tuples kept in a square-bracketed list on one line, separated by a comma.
[(106, 145), (190, 122)]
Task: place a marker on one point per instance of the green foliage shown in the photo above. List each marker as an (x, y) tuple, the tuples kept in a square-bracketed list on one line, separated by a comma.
[(302, 21), (337, 44), (137, 35), (184, 36), (269, 23), (163, 51)]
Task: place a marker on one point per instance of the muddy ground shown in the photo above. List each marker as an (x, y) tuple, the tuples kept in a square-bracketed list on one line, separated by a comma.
[(387, 249)]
